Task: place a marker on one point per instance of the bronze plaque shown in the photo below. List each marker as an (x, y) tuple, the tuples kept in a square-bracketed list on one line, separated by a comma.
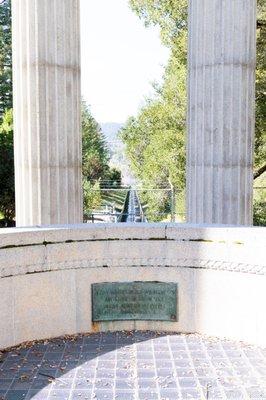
[(118, 301)]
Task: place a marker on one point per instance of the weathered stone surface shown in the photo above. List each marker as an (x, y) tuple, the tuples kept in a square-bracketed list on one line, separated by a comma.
[(85, 246), (6, 313), (221, 86), (228, 303), (220, 272), (47, 137), (44, 305)]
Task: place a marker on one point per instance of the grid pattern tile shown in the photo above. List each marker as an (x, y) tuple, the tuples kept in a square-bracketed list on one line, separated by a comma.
[(134, 366)]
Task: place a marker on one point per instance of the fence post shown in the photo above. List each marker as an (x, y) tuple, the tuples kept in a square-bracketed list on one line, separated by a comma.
[(172, 202)]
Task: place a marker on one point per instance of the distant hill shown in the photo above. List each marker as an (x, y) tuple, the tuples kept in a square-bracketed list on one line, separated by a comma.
[(117, 150), (110, 130)]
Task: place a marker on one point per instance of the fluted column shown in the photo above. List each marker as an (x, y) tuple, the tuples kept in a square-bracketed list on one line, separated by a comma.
[(46, 75), (222, 47)]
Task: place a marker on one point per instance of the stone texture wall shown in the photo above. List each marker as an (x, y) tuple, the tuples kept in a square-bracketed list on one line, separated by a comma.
[(46, 276)]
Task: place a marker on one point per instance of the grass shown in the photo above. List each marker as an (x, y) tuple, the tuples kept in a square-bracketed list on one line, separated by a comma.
[(114, 198)]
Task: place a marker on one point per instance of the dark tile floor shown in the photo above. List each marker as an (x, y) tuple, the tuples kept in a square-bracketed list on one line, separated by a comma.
[(134, 366)]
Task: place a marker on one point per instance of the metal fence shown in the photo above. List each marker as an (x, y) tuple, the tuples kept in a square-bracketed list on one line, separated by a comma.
[(155, 205)]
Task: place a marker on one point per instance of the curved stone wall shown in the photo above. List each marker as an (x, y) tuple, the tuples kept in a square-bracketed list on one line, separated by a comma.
[(46, 275)]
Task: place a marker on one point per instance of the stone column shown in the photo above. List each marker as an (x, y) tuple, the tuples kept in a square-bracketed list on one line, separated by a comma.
[(222, 52), (46, 73)]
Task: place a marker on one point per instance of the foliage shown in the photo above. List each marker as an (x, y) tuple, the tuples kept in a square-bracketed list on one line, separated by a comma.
[(5, 58), (260, 137), (259, 201), (7, 192), (112, 179), (95, 158), (169, 15), (92, 196), (259, 214), (155, 139)]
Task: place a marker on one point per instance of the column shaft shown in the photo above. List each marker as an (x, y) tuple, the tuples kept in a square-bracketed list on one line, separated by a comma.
[(47, 134), (222, 54)]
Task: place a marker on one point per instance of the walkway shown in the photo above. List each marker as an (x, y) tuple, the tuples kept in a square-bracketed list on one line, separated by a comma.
[(138, 365), (134, 210)]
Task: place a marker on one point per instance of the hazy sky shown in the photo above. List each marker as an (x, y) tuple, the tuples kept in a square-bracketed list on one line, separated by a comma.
[(120, 58)]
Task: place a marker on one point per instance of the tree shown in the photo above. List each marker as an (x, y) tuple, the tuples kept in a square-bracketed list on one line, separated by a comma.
[(155, 139), (113, 179), (7, 189), (95, 162), (259, 218), (260, 136), (91, 196), (95, 155), (5, 58)]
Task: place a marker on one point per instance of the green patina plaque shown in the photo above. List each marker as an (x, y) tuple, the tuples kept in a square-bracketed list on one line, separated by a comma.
[(117, 301)]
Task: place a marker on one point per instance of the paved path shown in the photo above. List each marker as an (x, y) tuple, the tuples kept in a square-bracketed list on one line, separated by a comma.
[(134, 208), (139, 366)]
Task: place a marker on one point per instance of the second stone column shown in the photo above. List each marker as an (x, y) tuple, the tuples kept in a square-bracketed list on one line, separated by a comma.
[(222, 54)]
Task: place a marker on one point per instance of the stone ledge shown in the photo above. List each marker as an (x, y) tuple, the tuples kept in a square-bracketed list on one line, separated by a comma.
[(12, 237), (156, 245)]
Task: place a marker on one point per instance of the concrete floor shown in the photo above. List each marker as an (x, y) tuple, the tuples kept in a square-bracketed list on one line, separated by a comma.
[(137, 365)]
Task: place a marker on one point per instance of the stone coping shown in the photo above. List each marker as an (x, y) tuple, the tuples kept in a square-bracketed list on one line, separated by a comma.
[(51, 248), (16, 237)]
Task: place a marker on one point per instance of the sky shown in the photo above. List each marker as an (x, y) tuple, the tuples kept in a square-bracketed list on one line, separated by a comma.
[(120, 58)]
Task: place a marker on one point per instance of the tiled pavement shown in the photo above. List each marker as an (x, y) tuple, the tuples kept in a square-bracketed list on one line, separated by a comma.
[(137, 365)]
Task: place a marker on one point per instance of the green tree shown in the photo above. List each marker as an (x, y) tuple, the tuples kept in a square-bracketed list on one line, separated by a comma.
[(260, 136), (95, 155), (5, 58), (92, 196), (7, 186), (7, 191), (155, 139), (95, 162), (259, 217), (112, 179)]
